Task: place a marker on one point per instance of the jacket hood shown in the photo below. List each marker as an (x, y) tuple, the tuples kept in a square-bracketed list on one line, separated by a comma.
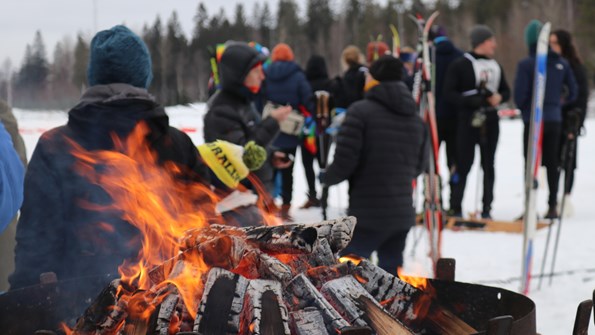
[(237, 60), (316, 68), (445, 47), (114, 108), (394, 96), (277, 71)]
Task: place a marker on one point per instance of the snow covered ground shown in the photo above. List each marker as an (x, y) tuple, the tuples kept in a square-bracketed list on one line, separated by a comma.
[(492, 259)]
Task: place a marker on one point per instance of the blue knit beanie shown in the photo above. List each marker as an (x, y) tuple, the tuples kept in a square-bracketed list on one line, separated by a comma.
[(119, 56)]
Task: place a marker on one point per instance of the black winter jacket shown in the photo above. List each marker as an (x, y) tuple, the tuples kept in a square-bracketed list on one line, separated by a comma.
[(56, 232), (446, 53), (381, 147), (350, 88)]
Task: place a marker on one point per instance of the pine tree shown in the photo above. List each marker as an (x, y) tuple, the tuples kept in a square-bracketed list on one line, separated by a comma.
[(240, 30), (81, 59), (153, 38), (174, 61)]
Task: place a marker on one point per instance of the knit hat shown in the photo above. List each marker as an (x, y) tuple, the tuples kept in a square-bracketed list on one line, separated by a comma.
[(376, 49), (436, 31), (480, 34), (532, 32), (282, 52), (119, 56), (230, 162), (387, 68)]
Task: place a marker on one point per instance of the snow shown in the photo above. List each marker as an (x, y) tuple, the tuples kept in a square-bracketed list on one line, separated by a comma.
[(492, 259)]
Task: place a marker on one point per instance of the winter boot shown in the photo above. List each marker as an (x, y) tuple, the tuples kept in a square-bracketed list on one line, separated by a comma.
[(486, 215), (455, 213), (311, 202), (284, 213), (552, 213)]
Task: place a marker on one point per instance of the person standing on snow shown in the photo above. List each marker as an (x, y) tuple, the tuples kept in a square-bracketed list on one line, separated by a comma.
[(56, 232), (382, 145), (559, 79), (475, 85), (317, 75), (446, 113), (287, 85), (573, 113), (232, 116), (350, 88)]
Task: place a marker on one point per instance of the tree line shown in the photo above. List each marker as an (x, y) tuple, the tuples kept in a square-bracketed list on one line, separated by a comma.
[(181, 65)]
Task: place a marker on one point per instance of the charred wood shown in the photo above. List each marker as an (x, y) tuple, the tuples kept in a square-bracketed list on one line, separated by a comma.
[(264, 312), (105, 314), (322, 274), (379, 319), (300, 293), (342, 293), (221, 303), (408, 304), (308, 321), (322, 255)]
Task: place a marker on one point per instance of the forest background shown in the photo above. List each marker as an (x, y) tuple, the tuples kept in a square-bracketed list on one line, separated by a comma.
[(181, 63)]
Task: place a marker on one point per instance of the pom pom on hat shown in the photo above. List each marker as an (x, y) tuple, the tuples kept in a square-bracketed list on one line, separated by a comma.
[(230, 162), (118, 55)]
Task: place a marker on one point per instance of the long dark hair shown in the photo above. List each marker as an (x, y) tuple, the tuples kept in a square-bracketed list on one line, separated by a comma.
[(568, 49)]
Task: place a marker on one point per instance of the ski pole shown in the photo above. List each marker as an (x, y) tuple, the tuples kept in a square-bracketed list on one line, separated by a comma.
[(547, 246), (569, 165)]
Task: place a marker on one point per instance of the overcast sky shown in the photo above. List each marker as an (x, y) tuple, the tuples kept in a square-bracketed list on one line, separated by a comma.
[(19, 19)]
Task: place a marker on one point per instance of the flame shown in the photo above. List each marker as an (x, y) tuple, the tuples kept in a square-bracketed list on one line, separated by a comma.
[(417, 282), (162, 204), (423, 305), (351, 258)]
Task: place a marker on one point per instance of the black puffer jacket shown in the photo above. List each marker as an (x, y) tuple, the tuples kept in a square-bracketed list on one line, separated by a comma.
[(381, 147), (232, 115), (56, 231)]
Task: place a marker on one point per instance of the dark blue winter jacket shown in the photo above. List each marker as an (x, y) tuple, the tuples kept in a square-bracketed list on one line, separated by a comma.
[(12, 174), (62, 227), (560, 87), (446, 53), (286, 83)]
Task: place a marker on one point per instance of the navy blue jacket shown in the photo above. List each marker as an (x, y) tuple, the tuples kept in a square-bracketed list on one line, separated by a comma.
[(446, 53), (12, 173), (286, 83), (57, 232), (559, 78), (381, 147)]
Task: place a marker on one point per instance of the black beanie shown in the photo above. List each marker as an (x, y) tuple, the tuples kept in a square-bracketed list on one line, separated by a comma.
[(480, 34), (387, 68)]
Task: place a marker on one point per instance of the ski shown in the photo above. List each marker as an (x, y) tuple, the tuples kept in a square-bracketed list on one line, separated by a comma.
[(424, 97), (396, 41), (534, 156)]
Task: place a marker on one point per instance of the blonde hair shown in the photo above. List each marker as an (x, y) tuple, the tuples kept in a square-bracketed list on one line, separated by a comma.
[(351, 55)]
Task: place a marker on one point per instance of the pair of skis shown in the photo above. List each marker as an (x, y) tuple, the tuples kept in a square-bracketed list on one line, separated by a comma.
[(424, 98), (533, 160)]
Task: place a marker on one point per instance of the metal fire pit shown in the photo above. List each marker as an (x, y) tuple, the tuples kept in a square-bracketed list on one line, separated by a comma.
[(44, 307)]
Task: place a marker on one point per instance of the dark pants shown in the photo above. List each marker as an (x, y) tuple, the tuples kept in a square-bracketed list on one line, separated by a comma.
[(287, 178), (447, 133), (467, 138), (308, 162), (389, 246), (550, 156), (565, 164)]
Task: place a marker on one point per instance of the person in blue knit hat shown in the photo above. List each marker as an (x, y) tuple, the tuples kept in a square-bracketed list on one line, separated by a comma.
[(56, 231), (560, 90)]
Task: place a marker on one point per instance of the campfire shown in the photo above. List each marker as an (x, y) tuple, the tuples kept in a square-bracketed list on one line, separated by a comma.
[(195, 275), (268, 280)]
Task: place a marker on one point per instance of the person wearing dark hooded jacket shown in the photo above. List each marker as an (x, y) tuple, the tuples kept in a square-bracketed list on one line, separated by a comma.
[(381, 147), (350, 88), (232, 116), (287, 85), (317, 75), (57, 232), (559, 78), (446, 113)]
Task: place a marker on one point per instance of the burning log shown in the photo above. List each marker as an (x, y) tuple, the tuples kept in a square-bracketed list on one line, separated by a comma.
[(379, 319), (338, 232), (409, 304), (264, 312), (322, 255), (343, 293), (307, 321), (322, 274), (166, 318), (106, 313), (221, 303), (301, 293)]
